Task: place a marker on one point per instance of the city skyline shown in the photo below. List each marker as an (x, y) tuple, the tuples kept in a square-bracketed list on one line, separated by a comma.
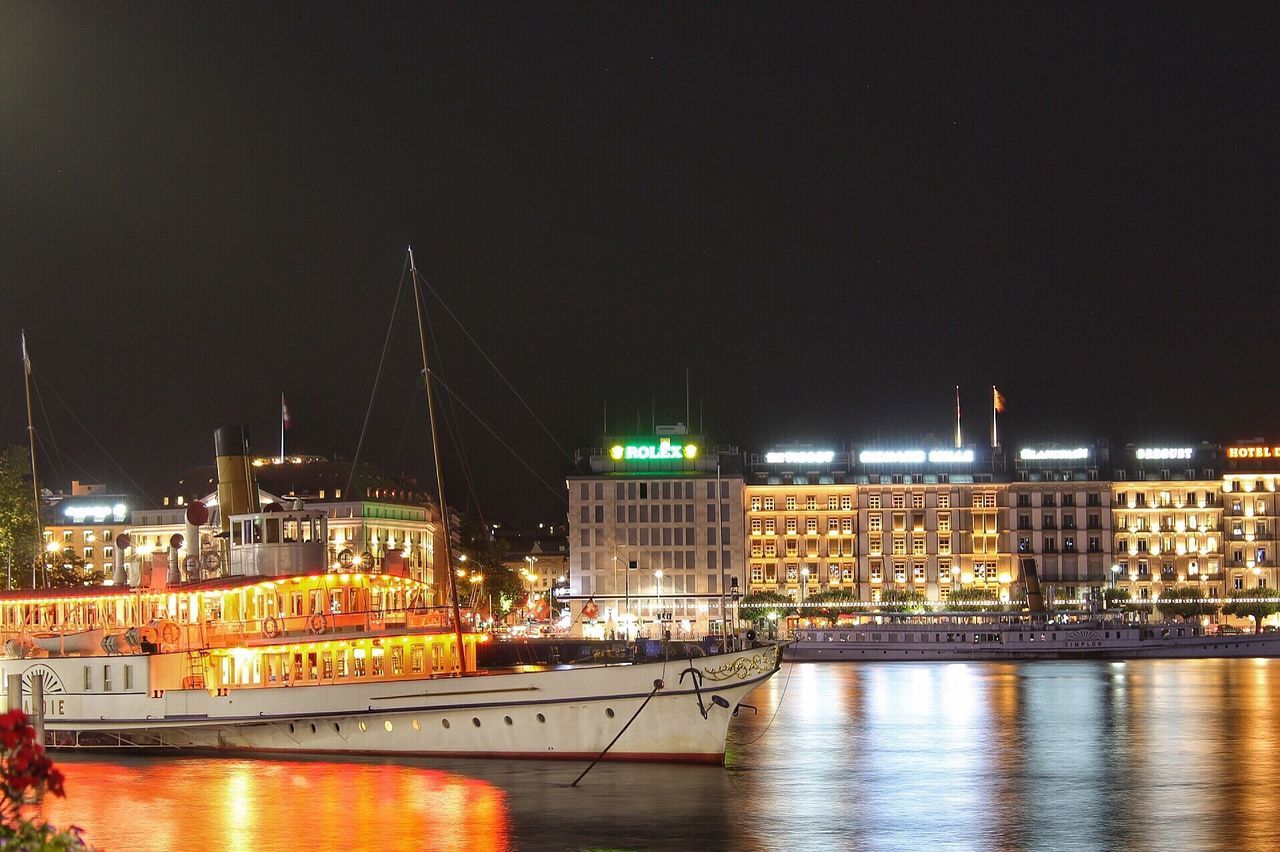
[(827, 218)]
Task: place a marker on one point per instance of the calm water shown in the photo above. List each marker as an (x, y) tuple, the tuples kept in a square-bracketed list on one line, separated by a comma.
[(1149, 755)]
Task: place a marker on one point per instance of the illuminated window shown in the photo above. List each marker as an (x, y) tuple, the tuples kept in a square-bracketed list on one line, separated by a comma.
[(917, 545), (793, 572), (944, 499), (875, 542), (810, 502), (757, 572), (791, 526), (770, 549), (768, 504), (833, 502), (899, 572), (917, 499), (875, 523), (917, 572), (944, 521), (846, 524), (810, 524), (833, 524), (397, 661), (944, 543), (756, 526), (770, 526), (755, 503), (877, 571), (791, 503), (793, 547), (899, 500), (873, 501), (846, 502), (899, 546)]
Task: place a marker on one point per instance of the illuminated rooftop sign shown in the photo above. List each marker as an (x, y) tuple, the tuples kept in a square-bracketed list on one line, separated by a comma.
[(915, 456), (1253, 452), (664, 450), (1054, 455), (800, 457), (78, 514), (1163, 453)]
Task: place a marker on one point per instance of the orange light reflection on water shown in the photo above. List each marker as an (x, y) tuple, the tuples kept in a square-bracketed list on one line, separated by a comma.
[(124, 803)]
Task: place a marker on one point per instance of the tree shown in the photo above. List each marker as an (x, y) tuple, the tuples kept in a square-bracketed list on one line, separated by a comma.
[(1253, 603), (1184, 602), (484, 554), (756, 606), (972, 598), (902, 601), (1115, 597), (19, 539), (838, 601)]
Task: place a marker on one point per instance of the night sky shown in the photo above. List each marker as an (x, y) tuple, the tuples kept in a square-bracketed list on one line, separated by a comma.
[(830, 215)]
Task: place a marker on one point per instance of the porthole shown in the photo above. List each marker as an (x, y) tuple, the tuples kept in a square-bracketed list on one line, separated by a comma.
[(444, 722), (542, 719), (387, 724), (608, 711), (475, 721), (417, 726), (363, 726), (313, 727), (507, 719), (291, 727)]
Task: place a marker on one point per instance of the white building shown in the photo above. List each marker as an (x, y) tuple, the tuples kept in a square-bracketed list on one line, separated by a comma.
[(656, 535)]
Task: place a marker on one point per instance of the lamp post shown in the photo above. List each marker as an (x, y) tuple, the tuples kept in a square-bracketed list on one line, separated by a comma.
[(955, 578), (533, 576), (657, 582)]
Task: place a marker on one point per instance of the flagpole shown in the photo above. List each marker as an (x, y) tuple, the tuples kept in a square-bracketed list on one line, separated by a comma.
[(995, 441), (959, 438), (35, 480), (282, 427)]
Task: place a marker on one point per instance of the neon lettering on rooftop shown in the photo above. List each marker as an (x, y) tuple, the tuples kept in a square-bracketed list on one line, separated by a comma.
[(664, 450), (800, 457)]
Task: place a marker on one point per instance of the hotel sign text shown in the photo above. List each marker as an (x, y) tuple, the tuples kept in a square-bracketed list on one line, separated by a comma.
[(1254, 452)]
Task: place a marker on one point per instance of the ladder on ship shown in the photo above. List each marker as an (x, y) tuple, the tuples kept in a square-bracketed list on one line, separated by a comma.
[(197, 665)]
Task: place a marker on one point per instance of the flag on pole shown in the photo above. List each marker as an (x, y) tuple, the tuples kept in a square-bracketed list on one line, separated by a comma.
[(997, 405), (959, 438), (26, 359), (284, 413), (997, 399)]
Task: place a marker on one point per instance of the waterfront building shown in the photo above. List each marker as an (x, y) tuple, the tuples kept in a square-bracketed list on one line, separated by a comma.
[(1060, 503), (802, 522), (85, 523), (540, 557), (1251, 517), (655, 534), (1167, 519), (931, 521)]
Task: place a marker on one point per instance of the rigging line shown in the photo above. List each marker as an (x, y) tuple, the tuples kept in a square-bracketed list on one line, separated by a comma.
[(451, 421), (559, 494), (781, 698), (57, 455), (41, 380), (373, 394), (486, 357)]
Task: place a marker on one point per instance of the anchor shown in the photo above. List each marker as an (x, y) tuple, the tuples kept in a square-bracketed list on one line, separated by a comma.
[(716, 700)]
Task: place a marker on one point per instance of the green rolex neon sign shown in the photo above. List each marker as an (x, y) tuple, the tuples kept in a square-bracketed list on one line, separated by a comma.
[(664, 450)]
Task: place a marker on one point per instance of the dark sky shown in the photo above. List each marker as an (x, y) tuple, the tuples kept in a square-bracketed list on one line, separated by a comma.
[(831, 215)]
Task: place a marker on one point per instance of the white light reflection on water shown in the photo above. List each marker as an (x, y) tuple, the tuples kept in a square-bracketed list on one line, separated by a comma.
[(1142, 755)]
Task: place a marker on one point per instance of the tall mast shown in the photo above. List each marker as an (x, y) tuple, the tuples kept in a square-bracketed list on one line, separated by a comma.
[(31, 439), (435, 450)]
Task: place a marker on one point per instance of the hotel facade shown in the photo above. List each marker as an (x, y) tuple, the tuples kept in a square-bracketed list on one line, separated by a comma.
[(798, 520)]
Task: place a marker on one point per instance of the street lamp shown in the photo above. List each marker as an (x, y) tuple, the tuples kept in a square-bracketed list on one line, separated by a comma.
[(657, 577)]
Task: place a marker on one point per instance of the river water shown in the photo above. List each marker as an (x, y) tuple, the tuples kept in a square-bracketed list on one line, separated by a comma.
[(1159, 755)]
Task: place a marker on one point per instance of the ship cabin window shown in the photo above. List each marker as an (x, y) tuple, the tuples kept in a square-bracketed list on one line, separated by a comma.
[(106, 678), (417, 659), (297, 667), (358, 670), (128, 678), (315, 601), (313, 665), (397, 661), (326, 663), (295, 603), (273, 531), (273, 668), (342, 664), (378, 670), (88, 678)]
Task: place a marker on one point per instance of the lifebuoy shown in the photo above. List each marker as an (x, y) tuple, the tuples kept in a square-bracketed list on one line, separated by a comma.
[(212, 561), (271, 627), (317, 623), (590, 610), (169, 633)]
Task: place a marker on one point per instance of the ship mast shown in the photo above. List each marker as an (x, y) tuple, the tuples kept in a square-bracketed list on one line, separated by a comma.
[(31, 439), (435, 449)]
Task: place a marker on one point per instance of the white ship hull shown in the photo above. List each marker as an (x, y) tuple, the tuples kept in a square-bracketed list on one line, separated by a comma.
[(1015, 642), (566, 713)]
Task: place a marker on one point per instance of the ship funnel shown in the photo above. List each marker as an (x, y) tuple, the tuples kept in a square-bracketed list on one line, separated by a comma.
[(1031, 579), (237, 490)]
